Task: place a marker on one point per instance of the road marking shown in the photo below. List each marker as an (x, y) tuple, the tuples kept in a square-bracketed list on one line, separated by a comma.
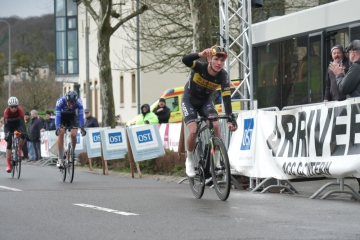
[(12, 189), (106, 209)]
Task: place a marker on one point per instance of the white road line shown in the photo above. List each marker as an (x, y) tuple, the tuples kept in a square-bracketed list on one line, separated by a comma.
[(106, 209), (12, 189)]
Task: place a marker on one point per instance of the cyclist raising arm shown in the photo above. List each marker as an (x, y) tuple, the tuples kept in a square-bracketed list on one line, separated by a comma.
[(66, 117), (14, 120), (204, 80)]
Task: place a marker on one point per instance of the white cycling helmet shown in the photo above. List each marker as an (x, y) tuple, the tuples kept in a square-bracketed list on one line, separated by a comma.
[(13, 101)]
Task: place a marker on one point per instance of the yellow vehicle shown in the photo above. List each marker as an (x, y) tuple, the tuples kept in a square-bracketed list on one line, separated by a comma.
[(173, 97)]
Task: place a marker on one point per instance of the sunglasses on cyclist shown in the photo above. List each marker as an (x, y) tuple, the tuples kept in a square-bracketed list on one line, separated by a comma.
[(13, 106), (221, 55)]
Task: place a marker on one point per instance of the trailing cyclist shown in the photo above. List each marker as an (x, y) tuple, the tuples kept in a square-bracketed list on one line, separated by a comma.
[(66, 117), (14, 120), (204, 79)]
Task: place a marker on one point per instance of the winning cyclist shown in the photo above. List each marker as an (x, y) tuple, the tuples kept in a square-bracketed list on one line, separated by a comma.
[(66, 117), (204, 80), (14, 120)]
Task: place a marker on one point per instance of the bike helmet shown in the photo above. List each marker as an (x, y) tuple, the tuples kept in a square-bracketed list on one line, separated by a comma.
[(71, 97), (219, 51), (13, 101)]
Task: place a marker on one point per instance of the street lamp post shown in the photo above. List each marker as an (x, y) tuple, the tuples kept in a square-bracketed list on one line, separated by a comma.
[(9, 57)]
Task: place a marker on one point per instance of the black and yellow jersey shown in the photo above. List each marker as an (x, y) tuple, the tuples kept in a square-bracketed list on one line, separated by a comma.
[(201, 84)]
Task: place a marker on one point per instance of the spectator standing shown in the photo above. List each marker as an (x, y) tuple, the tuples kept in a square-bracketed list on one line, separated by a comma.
[(90, 121), (162, 111), (331, 90), (36, 126), (147, 117), (29, 144), (349, 84), (49, 123)]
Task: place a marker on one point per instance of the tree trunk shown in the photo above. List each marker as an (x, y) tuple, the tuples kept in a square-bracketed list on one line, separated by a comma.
[(103, 57)]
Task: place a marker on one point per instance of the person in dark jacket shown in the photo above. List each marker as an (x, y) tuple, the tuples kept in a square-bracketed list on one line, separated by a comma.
[(49, 123), (36, 126), (162, 111), (331, 90), (90, 121), (349, 83)]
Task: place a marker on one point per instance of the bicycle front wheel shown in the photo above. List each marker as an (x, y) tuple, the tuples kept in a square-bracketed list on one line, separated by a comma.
[(14, 157), (220, 169), (18, 166), (70, 164)]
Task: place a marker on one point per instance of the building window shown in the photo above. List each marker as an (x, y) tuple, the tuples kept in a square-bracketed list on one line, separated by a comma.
[(66, 37), (121, 91), (133, 88)]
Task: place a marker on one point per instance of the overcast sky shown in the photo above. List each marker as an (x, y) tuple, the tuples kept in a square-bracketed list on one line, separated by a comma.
[(25, 8)]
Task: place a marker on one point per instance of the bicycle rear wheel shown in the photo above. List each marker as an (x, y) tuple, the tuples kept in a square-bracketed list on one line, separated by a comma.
[(197, 183), (63, 170), (220, 170), (70, 164)]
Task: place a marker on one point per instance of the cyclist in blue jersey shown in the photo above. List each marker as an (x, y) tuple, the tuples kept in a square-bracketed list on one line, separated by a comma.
[(204, 79), (66, 117)]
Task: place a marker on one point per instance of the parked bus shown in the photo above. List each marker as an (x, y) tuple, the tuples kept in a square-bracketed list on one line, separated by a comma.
[(291, 53)]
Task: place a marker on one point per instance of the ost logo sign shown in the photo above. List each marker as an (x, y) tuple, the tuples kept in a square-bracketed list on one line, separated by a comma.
[(115, 138), (144, 136), (96, 137), (248, 130)]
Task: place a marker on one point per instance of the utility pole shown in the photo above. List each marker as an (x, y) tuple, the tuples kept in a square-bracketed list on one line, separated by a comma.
[(87, 62), (138, 57)]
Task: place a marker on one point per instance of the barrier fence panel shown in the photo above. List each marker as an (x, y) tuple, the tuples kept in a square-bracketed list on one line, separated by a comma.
[(113, 143), (310, 141), (145, 142)]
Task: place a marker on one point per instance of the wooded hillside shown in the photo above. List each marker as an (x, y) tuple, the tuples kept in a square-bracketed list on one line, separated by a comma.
[(40, 29)]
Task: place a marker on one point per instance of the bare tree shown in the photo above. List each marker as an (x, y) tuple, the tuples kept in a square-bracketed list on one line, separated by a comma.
[(39, 95), (104, 12), (170, 30)]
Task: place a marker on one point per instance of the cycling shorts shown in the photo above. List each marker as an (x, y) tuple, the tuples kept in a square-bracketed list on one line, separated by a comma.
[(191, 106), (11, 126), (69, 119)]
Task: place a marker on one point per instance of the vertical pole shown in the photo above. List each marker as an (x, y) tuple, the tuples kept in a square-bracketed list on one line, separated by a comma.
[(87, 62), (250, 57), (138, 58), (9, 61)]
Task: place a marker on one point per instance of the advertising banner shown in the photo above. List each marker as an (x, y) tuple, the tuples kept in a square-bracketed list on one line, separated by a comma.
[(93, 142), (310, 141), (114, 143), (145, 142), (170, 135), (48, 139)]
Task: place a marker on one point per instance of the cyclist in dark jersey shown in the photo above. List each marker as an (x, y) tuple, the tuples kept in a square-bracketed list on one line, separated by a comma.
[(204, 79), (14, 120)]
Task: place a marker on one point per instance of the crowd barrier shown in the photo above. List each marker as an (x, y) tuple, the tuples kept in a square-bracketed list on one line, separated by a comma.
[(321, 140), (146, 142)]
